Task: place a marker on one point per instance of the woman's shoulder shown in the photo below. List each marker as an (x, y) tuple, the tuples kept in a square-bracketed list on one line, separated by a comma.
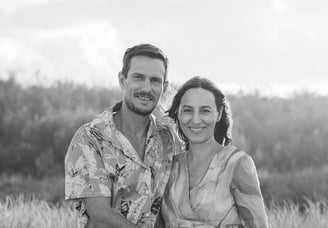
[(243, 163), (232, 153), (232, 156)]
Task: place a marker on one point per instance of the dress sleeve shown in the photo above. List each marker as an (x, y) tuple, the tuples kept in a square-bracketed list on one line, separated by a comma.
[(246, 190), (85, 174)]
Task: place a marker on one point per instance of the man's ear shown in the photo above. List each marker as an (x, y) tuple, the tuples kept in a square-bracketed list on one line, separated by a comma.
[(121, 79), (165, 85)]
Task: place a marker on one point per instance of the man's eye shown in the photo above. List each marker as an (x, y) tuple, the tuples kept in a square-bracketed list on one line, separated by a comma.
[(138, 77)]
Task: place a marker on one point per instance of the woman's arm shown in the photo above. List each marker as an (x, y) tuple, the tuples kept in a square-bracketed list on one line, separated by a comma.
[(247, 193)]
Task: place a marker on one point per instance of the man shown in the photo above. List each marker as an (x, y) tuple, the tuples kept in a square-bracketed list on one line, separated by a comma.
[(117, 166)]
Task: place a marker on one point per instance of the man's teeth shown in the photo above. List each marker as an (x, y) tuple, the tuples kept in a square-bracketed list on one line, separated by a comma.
[(145, 98)]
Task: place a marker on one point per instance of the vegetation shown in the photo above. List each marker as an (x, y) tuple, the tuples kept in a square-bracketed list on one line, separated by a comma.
[(289, 215), (31, 212), (287, 138), (37, 123)]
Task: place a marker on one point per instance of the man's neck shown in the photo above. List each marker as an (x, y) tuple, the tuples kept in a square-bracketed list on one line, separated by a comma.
[(131, 123)]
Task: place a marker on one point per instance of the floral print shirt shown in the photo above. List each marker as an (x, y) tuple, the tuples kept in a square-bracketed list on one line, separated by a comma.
[(101, 162)]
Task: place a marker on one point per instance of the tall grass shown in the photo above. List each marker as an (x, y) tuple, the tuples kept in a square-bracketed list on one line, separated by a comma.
[(314, 215), (29, 212)]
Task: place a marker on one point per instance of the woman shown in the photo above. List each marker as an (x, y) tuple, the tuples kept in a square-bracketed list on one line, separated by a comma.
[(213, 184)]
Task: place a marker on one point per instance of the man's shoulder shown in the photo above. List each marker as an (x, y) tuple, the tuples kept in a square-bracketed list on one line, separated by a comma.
[(99, 126), (102, 119), (162, 125), (101, 122)]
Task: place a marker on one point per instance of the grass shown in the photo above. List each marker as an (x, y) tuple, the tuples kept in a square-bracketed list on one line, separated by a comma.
[(50, 189), (294, 200), (29, 212), (296, 186), (314, 215)]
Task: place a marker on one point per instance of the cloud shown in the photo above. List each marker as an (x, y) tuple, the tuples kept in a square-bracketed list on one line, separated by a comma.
[(272, 41), (13, 52), (8, 51), (83, 53), (98, 41), (10, 6), (279, 5)]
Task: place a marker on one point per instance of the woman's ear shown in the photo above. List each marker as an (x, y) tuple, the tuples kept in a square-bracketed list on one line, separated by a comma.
[(220, 111)]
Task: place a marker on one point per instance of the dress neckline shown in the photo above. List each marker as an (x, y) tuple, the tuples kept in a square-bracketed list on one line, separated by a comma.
[(218, 156)]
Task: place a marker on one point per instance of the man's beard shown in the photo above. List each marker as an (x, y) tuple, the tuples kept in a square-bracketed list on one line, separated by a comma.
[(137, 110)]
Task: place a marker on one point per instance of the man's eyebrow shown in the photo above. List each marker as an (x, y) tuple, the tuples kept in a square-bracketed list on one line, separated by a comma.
[(137, 73), (186, 106)]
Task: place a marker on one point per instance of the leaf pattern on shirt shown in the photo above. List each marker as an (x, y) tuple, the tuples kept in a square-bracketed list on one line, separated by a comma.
[(89, 159), (98, 163), (156, 205)]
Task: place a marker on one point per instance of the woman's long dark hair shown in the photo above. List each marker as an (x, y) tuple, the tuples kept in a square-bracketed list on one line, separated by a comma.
[(222, 130)]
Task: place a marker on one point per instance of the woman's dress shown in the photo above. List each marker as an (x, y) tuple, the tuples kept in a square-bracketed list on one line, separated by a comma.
[(228, 195)]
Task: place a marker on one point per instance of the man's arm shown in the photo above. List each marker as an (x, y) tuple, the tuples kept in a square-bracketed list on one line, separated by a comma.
[(103, 216)]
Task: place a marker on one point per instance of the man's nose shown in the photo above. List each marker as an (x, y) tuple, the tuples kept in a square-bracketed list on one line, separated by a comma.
[(146, 85)]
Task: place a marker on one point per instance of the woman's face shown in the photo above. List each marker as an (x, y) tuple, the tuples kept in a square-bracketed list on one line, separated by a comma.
[(198, 115)]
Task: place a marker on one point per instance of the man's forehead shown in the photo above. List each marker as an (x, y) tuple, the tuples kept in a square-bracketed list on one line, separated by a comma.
[(144, 58), (144, 64)]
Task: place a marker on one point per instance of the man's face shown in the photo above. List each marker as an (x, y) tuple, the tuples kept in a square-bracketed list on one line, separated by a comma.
[(144, 84)]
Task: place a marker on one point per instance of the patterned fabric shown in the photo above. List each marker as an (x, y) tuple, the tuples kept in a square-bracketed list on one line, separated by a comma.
[(228, 195), (101, 162)]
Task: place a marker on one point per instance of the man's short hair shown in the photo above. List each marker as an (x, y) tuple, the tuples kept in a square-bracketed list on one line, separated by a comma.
[(148, 50)]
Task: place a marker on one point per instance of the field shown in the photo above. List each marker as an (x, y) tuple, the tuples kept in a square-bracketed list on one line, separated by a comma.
[(286, 137), (26, 202), (30, 212)]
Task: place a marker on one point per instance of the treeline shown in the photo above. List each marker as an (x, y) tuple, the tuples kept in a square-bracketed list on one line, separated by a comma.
[(283, 135), (37, 123)]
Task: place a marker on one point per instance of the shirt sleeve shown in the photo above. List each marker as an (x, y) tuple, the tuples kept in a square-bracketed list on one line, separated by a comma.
[(85, 174), (247, 194)]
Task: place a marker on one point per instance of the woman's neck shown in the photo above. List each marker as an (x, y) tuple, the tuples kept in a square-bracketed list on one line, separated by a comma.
[(199, 160), (199, 151)]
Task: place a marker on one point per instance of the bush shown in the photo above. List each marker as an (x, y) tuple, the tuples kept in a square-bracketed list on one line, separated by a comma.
[(295, 186), (50, 189)]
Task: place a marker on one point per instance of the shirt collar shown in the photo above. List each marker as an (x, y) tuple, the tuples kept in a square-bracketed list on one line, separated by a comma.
[(153, 124), (118, 140)]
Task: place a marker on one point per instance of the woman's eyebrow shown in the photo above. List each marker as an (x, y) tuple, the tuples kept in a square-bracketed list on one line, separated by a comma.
[(206, 106)]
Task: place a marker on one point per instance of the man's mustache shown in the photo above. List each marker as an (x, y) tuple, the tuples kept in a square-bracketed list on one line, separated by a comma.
[(145, 94)]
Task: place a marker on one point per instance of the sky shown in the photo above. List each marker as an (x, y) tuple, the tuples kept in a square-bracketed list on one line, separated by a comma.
[(275, 46)]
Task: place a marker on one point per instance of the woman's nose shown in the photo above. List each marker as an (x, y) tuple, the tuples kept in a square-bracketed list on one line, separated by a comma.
[(196, 118)]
